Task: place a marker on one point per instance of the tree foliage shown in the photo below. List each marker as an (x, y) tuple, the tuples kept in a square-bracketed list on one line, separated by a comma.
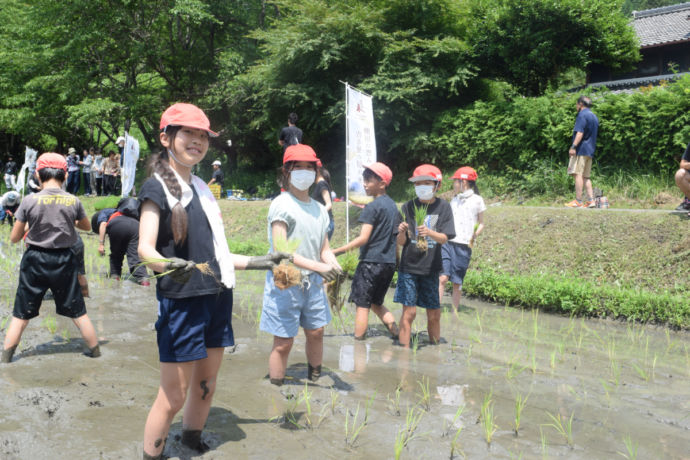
[(529, 44)]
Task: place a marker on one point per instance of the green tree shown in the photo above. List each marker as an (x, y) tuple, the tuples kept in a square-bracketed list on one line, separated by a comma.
[(530, 44)]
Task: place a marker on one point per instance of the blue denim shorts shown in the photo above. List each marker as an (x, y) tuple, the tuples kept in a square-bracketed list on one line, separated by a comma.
[(456, 258), (187, 327), (285, 310), (417, 290)]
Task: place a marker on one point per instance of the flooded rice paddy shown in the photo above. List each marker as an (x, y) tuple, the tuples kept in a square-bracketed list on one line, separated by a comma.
[(505, 383)]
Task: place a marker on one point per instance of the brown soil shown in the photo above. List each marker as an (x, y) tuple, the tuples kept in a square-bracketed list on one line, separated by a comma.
[(285, 276)]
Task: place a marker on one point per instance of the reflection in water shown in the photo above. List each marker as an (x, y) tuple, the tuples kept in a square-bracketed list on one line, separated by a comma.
[(452, 395), (354, 357)]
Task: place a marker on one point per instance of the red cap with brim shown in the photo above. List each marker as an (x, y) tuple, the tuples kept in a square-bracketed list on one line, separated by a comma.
[(465, 173), (299, 152), (51, 160), (426, 172), (381, 170), (188, 115)]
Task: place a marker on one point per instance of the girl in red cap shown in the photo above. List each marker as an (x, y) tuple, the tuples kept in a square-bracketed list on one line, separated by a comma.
[(468, 215), (294, 216), (180, 222)]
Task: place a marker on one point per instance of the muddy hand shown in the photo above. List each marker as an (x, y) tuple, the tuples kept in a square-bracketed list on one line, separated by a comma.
[(332, 274), (266, 262), (182, 269)]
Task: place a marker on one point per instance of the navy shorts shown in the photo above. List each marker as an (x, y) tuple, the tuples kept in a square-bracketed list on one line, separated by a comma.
[(417, 290), (370, 283), (187, 327), (42, 269), (456, 258)]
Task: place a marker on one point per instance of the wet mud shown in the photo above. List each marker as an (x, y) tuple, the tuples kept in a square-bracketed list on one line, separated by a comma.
[(593, 389)]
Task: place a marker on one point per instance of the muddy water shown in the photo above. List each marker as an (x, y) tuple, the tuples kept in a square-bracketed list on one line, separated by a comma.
[(616, 382)]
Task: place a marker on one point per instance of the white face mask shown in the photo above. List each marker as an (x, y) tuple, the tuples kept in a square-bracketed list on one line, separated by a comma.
[(302, 179), (424, 192)]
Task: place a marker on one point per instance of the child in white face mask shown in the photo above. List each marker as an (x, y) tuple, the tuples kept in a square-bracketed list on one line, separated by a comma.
[(294, 216), (419, 269), (468, 212)]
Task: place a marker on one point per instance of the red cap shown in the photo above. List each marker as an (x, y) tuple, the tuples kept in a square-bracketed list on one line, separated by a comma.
[(318, 163), (188, 115), (466, 173), (426, 172), (51, 160), (381, 170), (299, 152)]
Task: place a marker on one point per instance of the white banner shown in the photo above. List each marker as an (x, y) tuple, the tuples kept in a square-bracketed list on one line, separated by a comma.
[(28, 167), (360, 143), (130, 156)]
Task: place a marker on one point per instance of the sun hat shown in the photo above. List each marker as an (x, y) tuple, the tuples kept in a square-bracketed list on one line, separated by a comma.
[(381, 170), (299, 152), (51, 160), (12, 198), (182, 114), (216, 163), (426, 172), (466, 173), (71, 150), (119, 139)]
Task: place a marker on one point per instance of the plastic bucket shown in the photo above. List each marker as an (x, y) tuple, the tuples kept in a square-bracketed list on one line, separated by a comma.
[(229, 193)]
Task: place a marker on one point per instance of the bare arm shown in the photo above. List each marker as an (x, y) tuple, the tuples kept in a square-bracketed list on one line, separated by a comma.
[(576, 142), (401, 239), (685, 164), (17, 231), (149, 220), (327, 199), (327, 255), (278, 232), (361, 240), (440, 238), (101, 238), (83, 224), (480, 227)]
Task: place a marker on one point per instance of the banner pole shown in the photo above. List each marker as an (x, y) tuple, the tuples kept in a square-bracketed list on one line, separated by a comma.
[(347, 168)]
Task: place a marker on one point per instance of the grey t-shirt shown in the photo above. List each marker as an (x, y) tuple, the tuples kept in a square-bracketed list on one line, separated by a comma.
[(51, 214), (306, 223), (383, 215)]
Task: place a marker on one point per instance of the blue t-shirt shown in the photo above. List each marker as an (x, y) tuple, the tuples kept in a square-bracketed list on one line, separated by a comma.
[(588, 124), (103, 216), (382, 214)]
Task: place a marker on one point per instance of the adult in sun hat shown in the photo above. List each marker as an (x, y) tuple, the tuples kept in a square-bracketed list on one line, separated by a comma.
[(380, 220), (468, 217), (420, 260), (181, 229), (73, 180), (218, 177), (10, 170), (295, 217), (581, 152)]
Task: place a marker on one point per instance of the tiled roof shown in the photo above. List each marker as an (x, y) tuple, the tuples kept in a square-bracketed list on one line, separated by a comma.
[(667, 24), (637, 82)]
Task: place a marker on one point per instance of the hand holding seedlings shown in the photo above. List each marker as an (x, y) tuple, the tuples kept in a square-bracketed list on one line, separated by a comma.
[(180, 270), (267, 262), (331, 274)]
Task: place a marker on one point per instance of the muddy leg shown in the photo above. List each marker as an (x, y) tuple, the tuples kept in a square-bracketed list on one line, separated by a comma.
[(88, 333), (387, 319), (433, 317), (84, 285), (171, 396), (277, 360), (361, 322), (14, 332), (314, 349), (442, 281), (457, 294), (408, 316), (201, 390)]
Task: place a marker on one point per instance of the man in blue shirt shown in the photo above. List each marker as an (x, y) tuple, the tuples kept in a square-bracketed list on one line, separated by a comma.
[(581, 152)]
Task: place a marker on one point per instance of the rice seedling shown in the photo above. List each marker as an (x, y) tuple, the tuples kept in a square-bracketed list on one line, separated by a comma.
[(50, 323), (289, 418), (640, 372), (544, 444), (408, 432), (394, 402), (424, 394), (334, 401), (520, 403), (204, 268), (65, 335), (354, 428), (514, 369), (414, 342), (420, 215), (305, 397), (286, 275), (487, 418), (630, 447), (563, 426), (447, 426), (3, 324)]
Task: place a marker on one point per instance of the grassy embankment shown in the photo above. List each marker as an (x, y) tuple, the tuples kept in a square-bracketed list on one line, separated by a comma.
[(617, 264)]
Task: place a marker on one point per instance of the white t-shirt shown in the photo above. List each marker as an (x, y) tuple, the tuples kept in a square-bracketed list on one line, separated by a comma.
[(466, 208)]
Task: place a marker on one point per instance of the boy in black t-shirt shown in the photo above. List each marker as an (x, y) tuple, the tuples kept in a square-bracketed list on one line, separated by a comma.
[(420, 264), (380, 220), (49, 261)]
